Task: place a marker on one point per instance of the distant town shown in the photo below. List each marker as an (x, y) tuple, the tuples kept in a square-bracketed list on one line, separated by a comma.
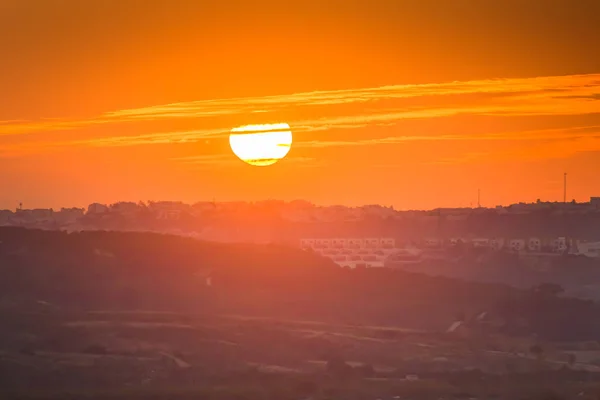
[(350, 236)]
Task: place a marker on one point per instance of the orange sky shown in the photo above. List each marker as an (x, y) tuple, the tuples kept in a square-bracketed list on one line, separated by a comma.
[(415, 104)]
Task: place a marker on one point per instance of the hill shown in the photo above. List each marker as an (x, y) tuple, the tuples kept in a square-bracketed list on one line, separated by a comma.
[(120, 271)]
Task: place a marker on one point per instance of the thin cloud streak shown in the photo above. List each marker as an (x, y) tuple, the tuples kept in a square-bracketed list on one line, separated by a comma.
[(22, 149), (229, 160), (324, 124), (533, 135), (528, 96)]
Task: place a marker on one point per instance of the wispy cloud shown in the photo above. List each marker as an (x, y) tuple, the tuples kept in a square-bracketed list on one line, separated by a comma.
[(338, 109), (525, 96), (532, 135), (225, 160)]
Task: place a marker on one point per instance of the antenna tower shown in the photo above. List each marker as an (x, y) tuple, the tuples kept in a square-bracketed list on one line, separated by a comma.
[(565, 188)]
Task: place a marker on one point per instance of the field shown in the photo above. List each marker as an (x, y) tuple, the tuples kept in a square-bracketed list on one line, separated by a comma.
[(142, 354), (275, 323)]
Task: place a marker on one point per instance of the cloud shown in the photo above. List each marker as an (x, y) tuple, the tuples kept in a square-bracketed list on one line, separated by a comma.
[(351, 109), (514, 96), (531, 135), (194, 136), (229, 160)]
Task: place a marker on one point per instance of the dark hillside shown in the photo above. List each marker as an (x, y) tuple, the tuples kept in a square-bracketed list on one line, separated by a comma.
[(144, 271)]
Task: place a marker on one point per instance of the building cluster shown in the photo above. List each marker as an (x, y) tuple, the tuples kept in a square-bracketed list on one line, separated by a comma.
[(65, 217), (41, 217), (294, 211), (532, 245), (237, 221), (352, 252), (379, 252)]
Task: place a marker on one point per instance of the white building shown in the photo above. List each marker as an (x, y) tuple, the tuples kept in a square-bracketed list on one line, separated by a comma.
[(516, 244), (534, 244), (481, 242), (353, 252), (432, 243), (560, 245), (372, 243), (497, 243), (168, 209), (355, 243), (349, 244), (387, 243), (339, 243), (589, 249), (324, 243), (307, 243), (455, 241)]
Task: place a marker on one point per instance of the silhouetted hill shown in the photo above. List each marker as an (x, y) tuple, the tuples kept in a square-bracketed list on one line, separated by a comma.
[(144, 271)]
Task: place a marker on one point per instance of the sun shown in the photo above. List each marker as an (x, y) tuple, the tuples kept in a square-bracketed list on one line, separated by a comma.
[(261, 145)]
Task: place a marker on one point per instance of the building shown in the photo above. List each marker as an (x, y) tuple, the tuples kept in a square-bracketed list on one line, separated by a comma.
[(516, 244), (355, 243), (124, 208), (307, 243), (323, 243), (387, 243), (169, 209), (496, 244), (349, 244), (68, 215), (372, 243), (534, 244), (481, 242), (339, 243), (5, 216), (404, 257), (352, 252), (455, 241), (560, 245), (595, 202), (589, 249), (97, 208), (432, 243)]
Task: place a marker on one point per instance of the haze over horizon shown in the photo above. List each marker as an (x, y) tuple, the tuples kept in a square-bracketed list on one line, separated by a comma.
[(394, 103)]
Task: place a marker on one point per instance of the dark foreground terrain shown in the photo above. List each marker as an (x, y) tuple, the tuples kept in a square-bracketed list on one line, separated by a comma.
[(143, 316)]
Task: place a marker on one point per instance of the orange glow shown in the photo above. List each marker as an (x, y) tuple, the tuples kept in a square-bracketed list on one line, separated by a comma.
[(415, 104)]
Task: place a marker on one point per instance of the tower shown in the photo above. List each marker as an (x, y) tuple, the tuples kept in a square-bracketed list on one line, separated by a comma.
[(565, 188)]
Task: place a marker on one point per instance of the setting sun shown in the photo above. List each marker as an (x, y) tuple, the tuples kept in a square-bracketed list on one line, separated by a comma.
[(261, 145)]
